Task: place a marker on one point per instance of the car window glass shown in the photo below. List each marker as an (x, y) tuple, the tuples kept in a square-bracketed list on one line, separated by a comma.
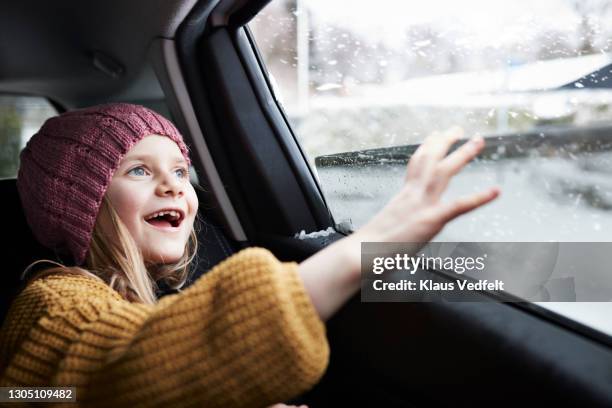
[(20, 119), (363, 84), (389, 76)]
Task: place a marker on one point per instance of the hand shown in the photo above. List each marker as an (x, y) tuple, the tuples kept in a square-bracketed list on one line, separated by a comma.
[(416, 213)]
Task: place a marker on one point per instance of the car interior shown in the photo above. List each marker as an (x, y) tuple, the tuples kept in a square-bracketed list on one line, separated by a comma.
[(195, 61)]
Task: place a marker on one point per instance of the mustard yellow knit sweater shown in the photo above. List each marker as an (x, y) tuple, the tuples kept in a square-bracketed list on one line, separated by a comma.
[(245, 334)]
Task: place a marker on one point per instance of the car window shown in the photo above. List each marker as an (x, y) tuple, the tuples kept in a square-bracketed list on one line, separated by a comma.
[(388, 77), (533, 78), (20, 118)]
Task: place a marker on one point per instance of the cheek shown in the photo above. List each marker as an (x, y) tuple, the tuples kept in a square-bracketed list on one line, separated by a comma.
[(192, 200), (127, 202)]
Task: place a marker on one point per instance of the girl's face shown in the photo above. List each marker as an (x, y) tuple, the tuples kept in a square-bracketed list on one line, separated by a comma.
[(152, 178)]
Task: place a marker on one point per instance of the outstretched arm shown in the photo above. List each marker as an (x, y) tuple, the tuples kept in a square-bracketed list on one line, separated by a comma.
[(414, 214)]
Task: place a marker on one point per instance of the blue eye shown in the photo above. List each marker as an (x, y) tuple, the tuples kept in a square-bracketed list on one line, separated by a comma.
[(184, 172), (137, 168)]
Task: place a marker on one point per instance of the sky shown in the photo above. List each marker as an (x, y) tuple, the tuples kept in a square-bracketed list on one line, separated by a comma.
[(481, 18)]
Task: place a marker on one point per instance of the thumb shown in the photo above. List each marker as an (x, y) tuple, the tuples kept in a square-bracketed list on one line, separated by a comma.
[(449, 211)]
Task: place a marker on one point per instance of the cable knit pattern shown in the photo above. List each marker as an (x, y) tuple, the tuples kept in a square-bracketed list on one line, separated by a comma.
[(66, 167), (244, 335)]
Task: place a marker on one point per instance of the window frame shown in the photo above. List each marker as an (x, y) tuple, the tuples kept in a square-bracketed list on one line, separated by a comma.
[(276, 170)]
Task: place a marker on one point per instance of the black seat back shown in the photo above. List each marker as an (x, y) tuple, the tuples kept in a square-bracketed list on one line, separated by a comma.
[(20, 248)]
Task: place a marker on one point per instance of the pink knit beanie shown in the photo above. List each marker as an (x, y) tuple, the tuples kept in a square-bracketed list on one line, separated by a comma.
[(67, 166)]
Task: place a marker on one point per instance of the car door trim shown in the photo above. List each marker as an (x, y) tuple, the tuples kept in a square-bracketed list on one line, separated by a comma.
[(164, 56)]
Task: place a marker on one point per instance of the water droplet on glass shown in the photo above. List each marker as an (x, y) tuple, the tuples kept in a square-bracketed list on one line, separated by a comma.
[(421, 44), (327, 87)]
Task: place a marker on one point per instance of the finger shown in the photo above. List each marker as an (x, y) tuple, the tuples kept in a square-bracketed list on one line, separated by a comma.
[(463, 205), (433, 149), (419, 157), (445, 141), (442, 146), (456, 161)]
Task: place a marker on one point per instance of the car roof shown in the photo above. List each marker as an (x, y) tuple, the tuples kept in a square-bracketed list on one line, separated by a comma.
[(82, 53)]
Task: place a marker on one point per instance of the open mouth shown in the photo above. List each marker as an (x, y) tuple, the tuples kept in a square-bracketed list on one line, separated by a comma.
[(167, 218)]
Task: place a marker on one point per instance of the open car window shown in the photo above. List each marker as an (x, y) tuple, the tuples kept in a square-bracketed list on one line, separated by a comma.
[(533, 78)]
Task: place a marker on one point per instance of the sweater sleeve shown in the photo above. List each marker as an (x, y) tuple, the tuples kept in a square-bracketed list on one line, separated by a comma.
[(244, 334)]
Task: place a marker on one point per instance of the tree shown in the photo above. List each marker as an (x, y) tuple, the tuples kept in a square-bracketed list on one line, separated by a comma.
[(588, 11)]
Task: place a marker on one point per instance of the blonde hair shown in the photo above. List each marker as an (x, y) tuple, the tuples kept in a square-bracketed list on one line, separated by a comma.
[(118, 261)]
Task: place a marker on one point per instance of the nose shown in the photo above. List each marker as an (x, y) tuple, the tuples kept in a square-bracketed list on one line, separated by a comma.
[(170, 185)]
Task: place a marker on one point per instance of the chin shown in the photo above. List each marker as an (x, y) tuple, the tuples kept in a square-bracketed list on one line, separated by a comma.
[(165, 258)]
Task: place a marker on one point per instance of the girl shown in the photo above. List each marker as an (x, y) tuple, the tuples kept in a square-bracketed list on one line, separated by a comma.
[(109, 186)]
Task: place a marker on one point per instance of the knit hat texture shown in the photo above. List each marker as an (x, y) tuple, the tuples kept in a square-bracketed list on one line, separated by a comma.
[(67, 166)]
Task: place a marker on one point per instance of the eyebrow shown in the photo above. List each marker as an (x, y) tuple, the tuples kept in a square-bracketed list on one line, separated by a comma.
[(144, 157)]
